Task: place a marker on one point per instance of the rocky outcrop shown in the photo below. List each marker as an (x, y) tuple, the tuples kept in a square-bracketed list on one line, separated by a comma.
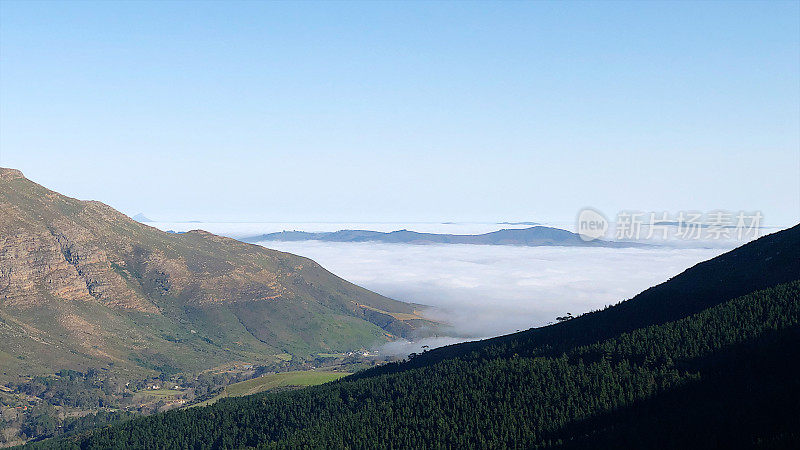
[(32, 266), (10, 174), (48, 256)]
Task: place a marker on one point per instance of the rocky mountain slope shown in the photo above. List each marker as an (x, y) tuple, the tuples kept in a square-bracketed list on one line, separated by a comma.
[(82, 285)]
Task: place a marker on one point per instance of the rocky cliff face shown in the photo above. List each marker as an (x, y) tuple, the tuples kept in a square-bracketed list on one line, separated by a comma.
[(80, 277), (52, 247)]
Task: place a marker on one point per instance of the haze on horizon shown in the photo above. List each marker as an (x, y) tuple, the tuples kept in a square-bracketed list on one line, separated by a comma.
[(387, 112)]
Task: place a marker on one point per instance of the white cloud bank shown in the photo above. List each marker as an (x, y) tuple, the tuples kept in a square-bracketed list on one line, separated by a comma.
[(481, 290), (490, 290)]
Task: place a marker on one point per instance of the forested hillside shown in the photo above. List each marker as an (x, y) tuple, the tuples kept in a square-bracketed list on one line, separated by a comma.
[(722, 374)]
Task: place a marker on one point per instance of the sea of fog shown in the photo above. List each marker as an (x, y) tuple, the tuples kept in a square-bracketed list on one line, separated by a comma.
[(481, 290)]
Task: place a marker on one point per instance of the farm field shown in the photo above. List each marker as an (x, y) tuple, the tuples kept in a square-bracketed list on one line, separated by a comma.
[(275, 380)]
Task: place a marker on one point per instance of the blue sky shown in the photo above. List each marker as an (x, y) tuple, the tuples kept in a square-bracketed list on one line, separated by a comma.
[(406, 111)]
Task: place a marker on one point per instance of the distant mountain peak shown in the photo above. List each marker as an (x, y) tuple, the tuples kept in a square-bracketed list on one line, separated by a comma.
[(141, 218)]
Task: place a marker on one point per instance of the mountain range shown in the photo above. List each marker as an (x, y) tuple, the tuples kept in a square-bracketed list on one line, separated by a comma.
[(83, 286), (707, 359), (531, 236)]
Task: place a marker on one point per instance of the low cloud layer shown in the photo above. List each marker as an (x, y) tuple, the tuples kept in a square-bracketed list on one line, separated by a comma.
[(482, 290), (490, 290)]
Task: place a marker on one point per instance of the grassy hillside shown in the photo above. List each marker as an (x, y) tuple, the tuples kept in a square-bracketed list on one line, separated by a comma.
[(718, 373), (83, 286)]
